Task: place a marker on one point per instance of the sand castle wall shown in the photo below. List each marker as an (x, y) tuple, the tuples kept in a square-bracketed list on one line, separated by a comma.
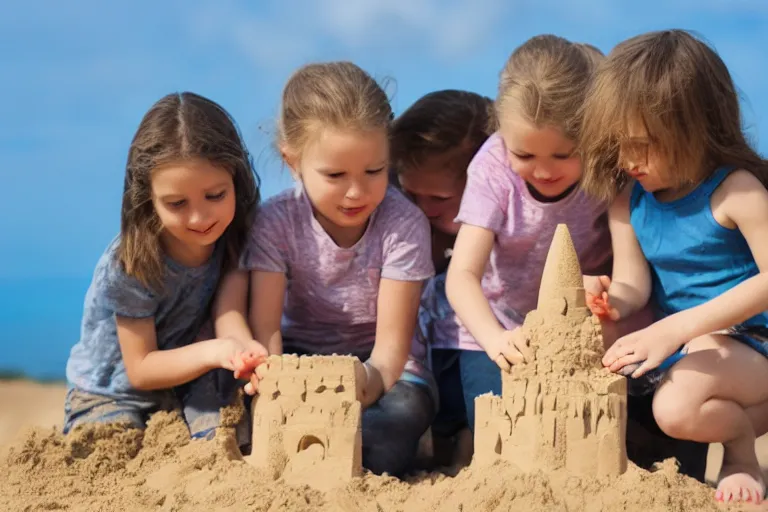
[(306, 420), (562, 410)]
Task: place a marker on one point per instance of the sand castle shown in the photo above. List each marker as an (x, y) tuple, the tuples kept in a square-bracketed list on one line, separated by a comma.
[(306, 420), (563, 410)]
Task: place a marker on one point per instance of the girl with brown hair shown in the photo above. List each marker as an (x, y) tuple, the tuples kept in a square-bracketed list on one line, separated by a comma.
[(189, 193)]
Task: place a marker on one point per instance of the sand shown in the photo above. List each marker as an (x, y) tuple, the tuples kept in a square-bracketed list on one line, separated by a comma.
[(554, 440), (112, 468)]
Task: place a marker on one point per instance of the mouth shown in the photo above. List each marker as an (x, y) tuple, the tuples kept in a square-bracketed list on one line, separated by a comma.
[(352, 212), (548, 181), (637, 174), (205, 231)]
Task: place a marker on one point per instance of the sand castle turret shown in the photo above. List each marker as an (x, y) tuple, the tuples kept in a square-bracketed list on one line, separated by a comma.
[(306, 420), (563, 410)]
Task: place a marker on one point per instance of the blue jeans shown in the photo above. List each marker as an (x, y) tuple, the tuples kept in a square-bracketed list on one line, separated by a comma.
[(393, 425), (462, 375)]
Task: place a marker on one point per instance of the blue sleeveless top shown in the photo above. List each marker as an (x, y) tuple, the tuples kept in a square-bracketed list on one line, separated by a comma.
[(692, 258)]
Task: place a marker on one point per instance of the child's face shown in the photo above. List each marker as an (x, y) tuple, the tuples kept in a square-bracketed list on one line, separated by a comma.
[(640, 160), (195, 202), (437, 190), (543, 157), (344, 174)]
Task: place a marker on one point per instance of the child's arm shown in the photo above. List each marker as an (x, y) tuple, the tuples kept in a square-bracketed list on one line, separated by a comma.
[(266, 309), (229, 308), (741, 202), (149, 368), (630, 287), (465, 294), (397, 310)]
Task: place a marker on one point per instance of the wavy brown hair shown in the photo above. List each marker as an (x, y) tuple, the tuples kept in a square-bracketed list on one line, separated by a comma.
[(181, 126), (545, 81), (447, 121), (678, 87), (339, 95)]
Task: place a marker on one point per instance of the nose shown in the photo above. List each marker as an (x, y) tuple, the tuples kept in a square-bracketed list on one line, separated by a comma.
[(199, 219), (541, 173), (356, 190)]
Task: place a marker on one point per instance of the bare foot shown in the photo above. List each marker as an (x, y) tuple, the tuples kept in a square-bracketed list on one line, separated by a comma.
[(740, 478)]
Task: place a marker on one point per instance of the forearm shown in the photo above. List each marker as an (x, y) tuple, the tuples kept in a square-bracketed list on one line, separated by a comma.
[(229, 309), (626, 298), (468, 301), (733, 307), (267, 335), (388, 365), (166, 369)]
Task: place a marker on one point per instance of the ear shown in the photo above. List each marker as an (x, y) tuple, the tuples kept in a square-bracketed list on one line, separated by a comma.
[(290, 158)]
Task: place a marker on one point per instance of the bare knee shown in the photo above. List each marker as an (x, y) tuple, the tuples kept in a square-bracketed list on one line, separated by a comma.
[(674, 413)]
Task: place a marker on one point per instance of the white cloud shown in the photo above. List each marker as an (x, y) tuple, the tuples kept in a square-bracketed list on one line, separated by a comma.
[(281, 34)]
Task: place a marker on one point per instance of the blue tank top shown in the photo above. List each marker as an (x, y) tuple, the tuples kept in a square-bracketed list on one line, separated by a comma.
[(692, 258)]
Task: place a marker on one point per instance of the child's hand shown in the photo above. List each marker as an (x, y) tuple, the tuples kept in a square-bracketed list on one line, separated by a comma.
[(596, 289), (511, 347), (233, 354), (637, 353)]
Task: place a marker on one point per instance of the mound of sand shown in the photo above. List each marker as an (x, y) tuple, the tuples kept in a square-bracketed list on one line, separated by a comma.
[(109, 467)]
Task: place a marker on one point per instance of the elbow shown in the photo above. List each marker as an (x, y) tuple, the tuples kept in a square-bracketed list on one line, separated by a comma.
[(451, 285), (138, 380)]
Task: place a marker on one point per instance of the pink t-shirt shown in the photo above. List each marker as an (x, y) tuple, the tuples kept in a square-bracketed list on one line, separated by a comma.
[(332, 292), (497, 198)]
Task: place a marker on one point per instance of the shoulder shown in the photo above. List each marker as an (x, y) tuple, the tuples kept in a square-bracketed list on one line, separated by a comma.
[(397, 209), (491, 155), (741, 180), (113, 288), (279, 211), (282, 202), (740, 196)]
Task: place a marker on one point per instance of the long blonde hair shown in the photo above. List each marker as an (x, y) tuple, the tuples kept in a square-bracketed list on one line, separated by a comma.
[(339, 95), (544, 80)]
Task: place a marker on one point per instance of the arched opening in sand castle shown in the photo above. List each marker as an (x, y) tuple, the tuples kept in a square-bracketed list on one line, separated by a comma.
[(313, 442)]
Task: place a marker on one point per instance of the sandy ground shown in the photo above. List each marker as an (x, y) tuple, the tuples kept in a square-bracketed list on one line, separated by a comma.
[(24, 403)]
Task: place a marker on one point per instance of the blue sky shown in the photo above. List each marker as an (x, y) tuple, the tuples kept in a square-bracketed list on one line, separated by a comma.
[(78, 76)]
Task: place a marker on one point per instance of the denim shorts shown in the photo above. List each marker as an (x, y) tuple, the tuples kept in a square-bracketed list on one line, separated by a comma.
[(198, 402), (755, 337)]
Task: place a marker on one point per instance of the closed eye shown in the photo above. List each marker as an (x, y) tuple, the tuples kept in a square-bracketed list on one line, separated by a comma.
[(522, 156), (176, 204), (562, 156), (375, 171), (216, 197)]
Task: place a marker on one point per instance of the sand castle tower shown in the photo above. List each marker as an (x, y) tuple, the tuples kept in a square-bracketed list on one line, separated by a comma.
[(306, 420), (563, 410)]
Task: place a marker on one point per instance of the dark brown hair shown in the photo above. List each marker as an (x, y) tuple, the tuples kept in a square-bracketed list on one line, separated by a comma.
[(329, 94), (181, 126), (681, 90), (438, 123), (545, 81)]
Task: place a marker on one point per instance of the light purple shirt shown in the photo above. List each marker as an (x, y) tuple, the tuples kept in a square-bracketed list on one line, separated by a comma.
[(332, 292), (497, 198)]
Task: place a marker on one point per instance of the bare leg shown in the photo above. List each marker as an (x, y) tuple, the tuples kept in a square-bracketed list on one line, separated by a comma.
[(705, 398)]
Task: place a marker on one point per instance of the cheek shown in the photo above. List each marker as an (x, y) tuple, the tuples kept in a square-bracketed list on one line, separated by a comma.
[(571, 169), (170, 220), (522, 167)]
